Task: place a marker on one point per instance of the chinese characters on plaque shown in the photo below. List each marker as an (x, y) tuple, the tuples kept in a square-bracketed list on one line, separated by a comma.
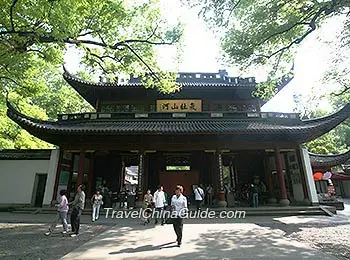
[(179, 105)]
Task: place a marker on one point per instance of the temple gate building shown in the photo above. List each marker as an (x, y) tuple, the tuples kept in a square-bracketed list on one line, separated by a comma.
[(212, 131)]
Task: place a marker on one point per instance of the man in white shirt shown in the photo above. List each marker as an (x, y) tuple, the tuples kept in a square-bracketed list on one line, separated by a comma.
[(179, 205), (159, 201), (198, 196)]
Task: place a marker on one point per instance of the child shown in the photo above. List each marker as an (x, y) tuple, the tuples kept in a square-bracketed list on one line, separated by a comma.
[(62, 210), (148, 205)]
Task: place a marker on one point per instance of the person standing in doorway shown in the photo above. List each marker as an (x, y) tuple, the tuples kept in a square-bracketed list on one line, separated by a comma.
[(210, 195), (62, 210), (159, 201), (179, 206), (255, 195), (96, 201), (78, 207), (198, 196)]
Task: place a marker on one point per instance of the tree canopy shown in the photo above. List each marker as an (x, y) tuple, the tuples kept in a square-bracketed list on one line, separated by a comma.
[(259, 32), (112, 37), (335, 141)]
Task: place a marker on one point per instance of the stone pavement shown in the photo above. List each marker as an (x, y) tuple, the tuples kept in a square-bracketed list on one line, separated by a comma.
[(250, 238), (200, 241)]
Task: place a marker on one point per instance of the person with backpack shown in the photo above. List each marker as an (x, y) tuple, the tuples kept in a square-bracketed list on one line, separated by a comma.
[(198, 196)]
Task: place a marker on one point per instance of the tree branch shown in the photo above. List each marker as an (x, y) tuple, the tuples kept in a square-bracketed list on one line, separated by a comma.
[(346, 89), (142, 61), (230, 12), (312, 24), (87, 33), (10, 79), (11, 13), (38, 51), (143, 41)]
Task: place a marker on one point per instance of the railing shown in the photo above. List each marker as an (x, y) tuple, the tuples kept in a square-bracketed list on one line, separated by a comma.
[(161, 115), (194, 77)]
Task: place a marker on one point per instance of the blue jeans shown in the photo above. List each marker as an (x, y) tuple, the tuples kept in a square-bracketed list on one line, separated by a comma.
[(255, 200), (61, 216)]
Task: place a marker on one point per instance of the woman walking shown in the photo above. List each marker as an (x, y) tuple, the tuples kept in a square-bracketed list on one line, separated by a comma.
[(62, 210), (179, 206), (96, 201)]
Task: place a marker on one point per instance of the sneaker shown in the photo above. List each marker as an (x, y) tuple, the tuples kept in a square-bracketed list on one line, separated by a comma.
[(48, 233), (64, 232), (73, 235)]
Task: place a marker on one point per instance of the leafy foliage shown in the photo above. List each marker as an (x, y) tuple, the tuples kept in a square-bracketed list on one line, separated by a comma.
[(112, 37), (266, 33), (337, 140)]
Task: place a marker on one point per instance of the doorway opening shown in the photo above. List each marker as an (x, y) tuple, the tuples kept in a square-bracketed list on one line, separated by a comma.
[(39, 189)]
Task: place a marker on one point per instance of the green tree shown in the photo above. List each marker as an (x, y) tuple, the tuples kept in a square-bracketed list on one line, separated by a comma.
[(267, 33), (112, 37), (337, 140)]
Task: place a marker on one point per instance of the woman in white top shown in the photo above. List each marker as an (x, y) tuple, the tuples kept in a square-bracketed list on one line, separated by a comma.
[(96, 202), (179, 206)]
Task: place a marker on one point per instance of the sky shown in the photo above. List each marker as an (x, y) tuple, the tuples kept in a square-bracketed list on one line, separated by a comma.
[(201, 53)]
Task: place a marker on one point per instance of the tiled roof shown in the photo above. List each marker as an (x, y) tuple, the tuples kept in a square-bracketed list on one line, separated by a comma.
[(321, 160), (184, 79), (29, 154), (256, 128)]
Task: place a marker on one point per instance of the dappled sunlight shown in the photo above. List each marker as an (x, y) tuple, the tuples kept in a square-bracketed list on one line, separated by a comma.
[(206, 241)]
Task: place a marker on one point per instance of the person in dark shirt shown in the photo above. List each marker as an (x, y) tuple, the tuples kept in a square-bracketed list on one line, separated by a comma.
[(255, 195)]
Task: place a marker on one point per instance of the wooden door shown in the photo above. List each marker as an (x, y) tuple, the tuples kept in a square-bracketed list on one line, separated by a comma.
[(169, 180)]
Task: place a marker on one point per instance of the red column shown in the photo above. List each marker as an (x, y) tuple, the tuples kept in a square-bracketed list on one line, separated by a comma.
[(90, 189), (81, 169), (58, 173), (284, 200)]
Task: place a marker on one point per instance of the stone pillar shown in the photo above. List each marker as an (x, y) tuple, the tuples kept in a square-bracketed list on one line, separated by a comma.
[(80, 169), (52, 177), (302, 173), (284, 200), (221, 193), (311, 188), (139, 180)]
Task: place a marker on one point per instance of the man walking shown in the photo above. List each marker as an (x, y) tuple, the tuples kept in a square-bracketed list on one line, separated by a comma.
[(78, 206), (159, 201), (198, 196)]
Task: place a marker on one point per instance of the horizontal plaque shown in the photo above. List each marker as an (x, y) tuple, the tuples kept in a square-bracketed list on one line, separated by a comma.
[(179, 115), (141, 115), (185, 105)]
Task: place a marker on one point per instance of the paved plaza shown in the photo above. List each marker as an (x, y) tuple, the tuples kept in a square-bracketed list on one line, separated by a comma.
[(299, 237), (201, 241)]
